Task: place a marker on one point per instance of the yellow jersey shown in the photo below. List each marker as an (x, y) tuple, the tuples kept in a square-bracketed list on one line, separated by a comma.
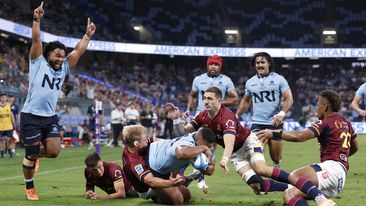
[(6, 122)]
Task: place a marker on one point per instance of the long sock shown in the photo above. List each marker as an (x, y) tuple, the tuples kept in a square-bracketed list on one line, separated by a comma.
[(269, 185), (280, 175), (29, 183), (2, 153), (297, 201), (306, 186)]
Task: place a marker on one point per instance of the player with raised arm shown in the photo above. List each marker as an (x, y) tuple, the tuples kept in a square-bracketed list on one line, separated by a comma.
[(337, 141), (108, 176), (212, 78), (38, 121), (265, 91), (241, 146), (359, 97)]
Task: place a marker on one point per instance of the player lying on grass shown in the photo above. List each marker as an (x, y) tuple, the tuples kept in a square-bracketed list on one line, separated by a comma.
[(167, 157), (108, 176), (337, 142)]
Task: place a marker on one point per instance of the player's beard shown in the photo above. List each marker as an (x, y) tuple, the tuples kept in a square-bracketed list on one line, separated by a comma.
[(53, 65)]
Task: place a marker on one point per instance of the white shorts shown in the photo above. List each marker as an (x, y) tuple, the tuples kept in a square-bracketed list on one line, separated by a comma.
[(241, 157), (331, 178)]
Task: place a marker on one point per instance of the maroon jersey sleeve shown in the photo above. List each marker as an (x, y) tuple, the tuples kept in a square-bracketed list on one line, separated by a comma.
[(198, 120), (89, 184), (135, 169), (114, 171)]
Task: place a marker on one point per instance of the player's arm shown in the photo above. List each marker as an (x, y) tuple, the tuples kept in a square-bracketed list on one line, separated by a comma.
[(191, 100), (80, 48), (36, 48), (89, 188), (291, 136), (231, 99), (120, 193), (186, 152), (179, 129), (244, 105), (354, 147), (152, 181), (356, 105), (229, 140), (287, 102)]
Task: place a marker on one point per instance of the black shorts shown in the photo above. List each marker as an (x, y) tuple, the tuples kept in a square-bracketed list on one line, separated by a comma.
[(259, 127), (36, 128), (6, 134)]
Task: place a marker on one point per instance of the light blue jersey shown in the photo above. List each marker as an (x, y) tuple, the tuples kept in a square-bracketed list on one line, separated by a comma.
[(162, 158), (266, 94), (44, 87), (361, 92), (202, 82)]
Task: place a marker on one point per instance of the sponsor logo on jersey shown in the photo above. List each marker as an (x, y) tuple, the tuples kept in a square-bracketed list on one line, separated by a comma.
[(117, 173), (139, 169)]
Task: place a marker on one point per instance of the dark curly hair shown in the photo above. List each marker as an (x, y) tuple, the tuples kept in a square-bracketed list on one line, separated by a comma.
[(264, 55), (52, 46), (333, 98)]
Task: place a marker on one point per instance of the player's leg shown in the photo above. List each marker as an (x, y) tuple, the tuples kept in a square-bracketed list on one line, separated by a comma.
[(275, 151), (169, 196), (2, 144), (52, 142), (186, 193), (294, 197), (305, 179), (31, 135)]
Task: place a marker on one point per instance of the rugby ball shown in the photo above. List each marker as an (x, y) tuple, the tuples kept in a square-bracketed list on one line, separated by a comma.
[(200, 162)]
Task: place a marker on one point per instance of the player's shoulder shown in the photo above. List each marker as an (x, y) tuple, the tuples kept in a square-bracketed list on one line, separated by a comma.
[(227, 113), (277, 76), (112, 165), (202, 76)]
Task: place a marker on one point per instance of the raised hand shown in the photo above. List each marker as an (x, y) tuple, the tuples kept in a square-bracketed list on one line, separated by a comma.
[(90, 28), (173, 111), (38, 12)]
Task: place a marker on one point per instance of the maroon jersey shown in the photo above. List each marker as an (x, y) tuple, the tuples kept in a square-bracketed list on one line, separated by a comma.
[(112, 172), (334, 134), (135, 169), (225, 122)]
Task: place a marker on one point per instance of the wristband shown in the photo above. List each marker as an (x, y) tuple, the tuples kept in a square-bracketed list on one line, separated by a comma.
[(225, 159), (277, 135), (176, 121), (281, 114), (86, 37), (36, 19)]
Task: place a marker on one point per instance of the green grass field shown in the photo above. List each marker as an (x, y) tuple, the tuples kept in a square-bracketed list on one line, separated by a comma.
[(61, 182)]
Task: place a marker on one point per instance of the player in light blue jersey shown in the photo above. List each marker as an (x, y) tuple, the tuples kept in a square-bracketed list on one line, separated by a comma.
[(359, 97), (38, 121), (167, 156), (212, 78), (271, 97)]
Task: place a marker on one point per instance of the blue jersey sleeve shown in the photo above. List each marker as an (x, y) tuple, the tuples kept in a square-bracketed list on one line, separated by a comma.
[(361, 91), (283, 84)]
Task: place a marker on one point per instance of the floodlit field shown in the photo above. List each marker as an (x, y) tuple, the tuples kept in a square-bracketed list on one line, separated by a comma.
[(61, 181)]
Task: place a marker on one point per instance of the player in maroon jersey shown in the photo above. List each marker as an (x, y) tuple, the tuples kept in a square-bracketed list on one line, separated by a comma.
[(240, 145), (108, 176), (140, 176), (337, 142)]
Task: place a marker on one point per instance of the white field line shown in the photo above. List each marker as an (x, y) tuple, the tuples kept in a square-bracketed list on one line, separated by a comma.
[(44, 172)]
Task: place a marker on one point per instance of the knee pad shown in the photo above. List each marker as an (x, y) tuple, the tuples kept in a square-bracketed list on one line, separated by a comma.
[(32, 152)]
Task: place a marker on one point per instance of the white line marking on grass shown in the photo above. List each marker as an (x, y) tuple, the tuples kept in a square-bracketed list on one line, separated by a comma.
[(44, 173), (41, 173)]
